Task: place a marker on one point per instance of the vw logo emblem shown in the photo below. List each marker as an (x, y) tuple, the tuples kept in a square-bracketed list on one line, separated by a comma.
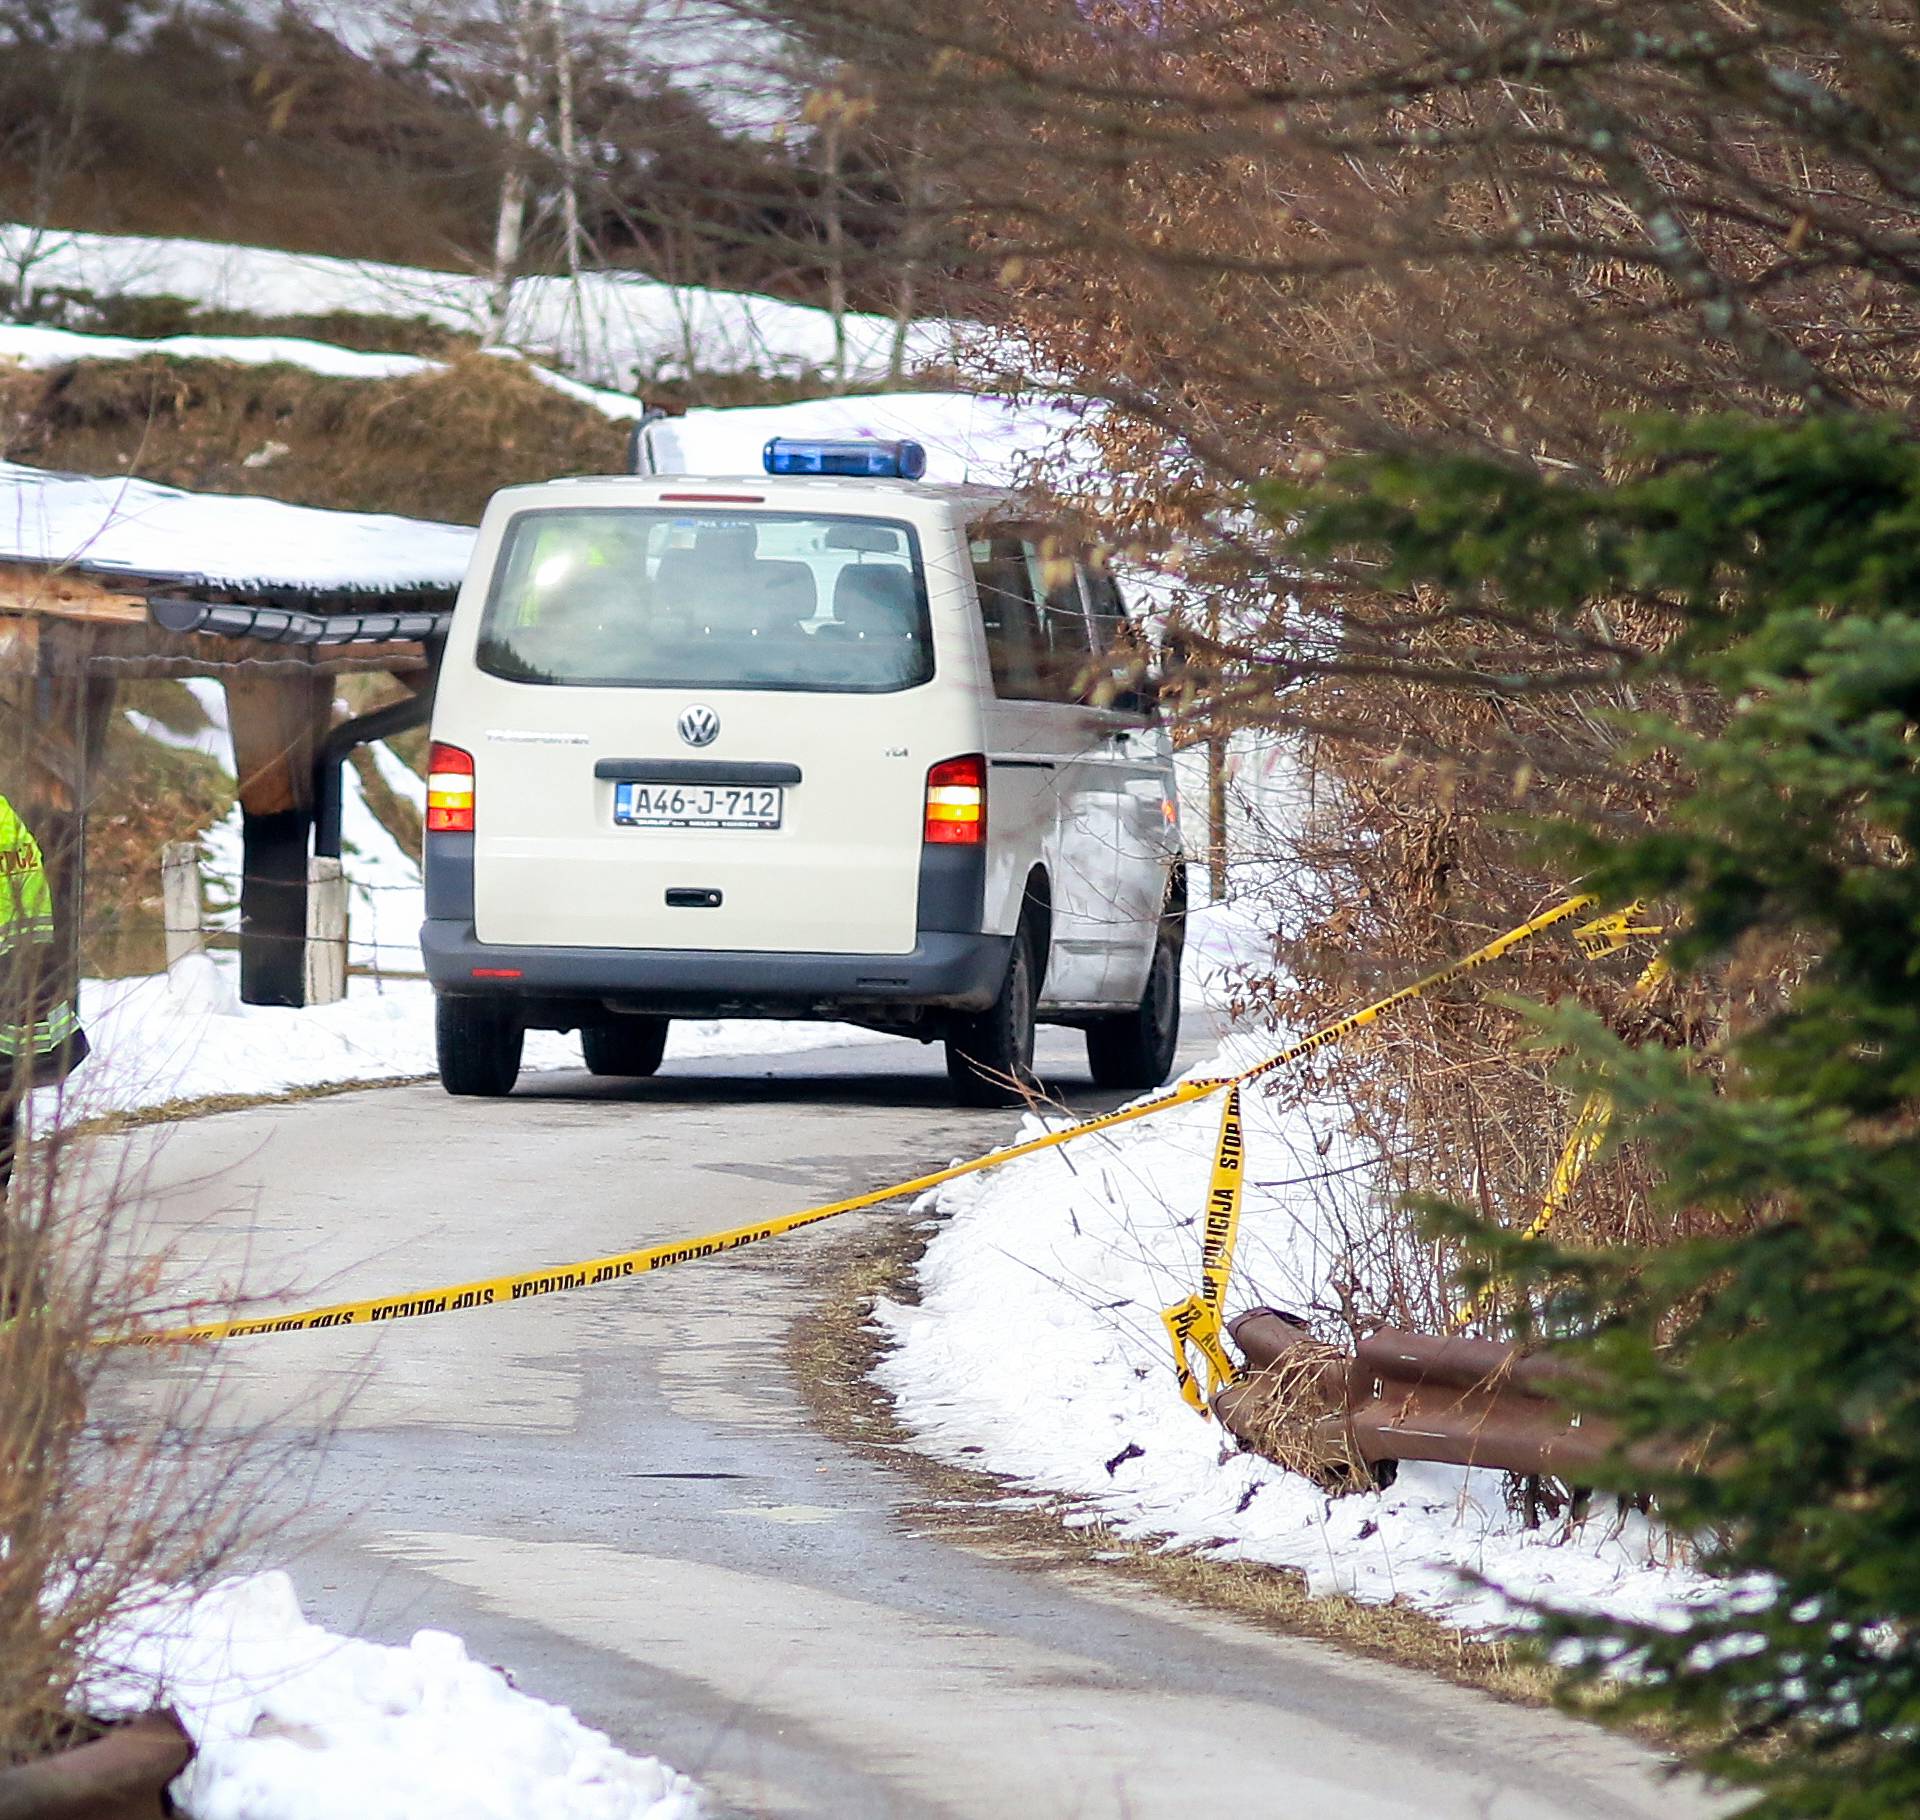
[(699, 726)]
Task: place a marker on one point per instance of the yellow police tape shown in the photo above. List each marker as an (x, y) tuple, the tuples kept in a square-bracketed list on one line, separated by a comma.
[(1590, 1125), (1196, 1321), (488, 1292)]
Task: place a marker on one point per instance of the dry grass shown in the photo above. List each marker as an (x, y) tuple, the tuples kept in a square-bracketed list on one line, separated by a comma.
[(436, 445), (206, 1105), (1294, 1414), (148, 794)]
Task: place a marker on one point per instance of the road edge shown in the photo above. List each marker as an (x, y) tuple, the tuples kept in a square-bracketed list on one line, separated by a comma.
[(832, 1356)]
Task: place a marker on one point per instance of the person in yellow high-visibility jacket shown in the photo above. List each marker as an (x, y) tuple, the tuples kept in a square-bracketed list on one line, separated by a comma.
[(41, 1041)]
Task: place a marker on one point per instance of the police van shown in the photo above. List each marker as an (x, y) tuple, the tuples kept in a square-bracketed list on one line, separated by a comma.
[(826, 742)]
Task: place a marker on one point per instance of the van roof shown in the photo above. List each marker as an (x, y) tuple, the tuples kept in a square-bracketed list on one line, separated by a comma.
[(771, 487)]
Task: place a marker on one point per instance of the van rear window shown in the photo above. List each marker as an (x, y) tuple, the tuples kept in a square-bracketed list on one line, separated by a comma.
[(659, 598)]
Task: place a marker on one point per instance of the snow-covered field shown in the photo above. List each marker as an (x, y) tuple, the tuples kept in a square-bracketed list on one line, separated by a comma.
[(617, 328), (1036, 1350), (292, 1722)]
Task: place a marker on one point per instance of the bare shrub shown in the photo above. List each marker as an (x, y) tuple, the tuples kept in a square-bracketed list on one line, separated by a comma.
[(106, 1499)]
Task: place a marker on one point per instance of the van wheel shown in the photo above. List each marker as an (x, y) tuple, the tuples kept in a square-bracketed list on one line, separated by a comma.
[(630, 1046), (1135, 1048), (477, 1044), (990, 1054)]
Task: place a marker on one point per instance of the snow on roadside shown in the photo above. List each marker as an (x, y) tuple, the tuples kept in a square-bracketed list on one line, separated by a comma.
[(293, 1722), (1036, 1350), (618, 324), (161, 1038)]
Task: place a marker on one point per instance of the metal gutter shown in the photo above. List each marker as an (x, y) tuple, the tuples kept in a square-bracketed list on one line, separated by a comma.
[(297, 625)]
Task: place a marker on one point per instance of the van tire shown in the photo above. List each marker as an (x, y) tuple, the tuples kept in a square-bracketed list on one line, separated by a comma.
[(990, 1054), (1135, 1048), (477, 1044), (629, 1046)]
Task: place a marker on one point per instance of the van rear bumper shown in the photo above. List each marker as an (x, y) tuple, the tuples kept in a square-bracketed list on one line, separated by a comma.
[(945, 971)]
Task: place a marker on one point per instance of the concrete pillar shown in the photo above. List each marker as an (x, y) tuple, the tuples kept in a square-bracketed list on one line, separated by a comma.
[(180, 900), (326, 955)]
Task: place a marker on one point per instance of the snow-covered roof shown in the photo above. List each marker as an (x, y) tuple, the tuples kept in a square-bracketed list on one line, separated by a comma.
[(216, 540)]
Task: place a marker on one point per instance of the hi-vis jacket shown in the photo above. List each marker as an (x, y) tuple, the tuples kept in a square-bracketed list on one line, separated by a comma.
[(39, 1033)]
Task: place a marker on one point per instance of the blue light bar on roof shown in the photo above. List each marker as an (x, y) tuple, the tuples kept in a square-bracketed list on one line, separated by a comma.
[(861, 460)]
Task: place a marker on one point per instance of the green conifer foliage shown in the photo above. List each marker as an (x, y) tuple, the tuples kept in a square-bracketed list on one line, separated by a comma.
[(1768, 1372)]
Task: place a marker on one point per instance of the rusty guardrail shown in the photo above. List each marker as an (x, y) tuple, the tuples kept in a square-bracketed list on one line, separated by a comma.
[(1348, 1419), (122, 1775)]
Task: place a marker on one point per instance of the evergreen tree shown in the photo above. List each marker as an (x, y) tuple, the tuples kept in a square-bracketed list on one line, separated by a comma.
[(1778, 1354)]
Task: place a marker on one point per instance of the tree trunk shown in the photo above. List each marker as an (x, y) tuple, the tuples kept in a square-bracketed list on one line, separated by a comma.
[(913, 246), (569, 177), (833, 221), (510, 224)]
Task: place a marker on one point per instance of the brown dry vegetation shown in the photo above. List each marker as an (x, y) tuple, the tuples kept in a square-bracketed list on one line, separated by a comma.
[(113, 1484), (213, 126), (151, 793), (435, 445)]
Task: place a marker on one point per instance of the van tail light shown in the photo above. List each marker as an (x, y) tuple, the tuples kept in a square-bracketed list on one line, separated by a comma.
[(957, 801), (449, 790)]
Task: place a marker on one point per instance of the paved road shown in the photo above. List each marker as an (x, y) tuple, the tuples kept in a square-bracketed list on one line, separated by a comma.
[(617, 1494)]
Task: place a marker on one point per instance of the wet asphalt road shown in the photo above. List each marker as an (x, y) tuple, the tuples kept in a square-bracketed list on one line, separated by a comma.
[(617, 1493)]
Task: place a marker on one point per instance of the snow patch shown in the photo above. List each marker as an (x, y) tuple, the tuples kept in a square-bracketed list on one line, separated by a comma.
[(293, 1722)]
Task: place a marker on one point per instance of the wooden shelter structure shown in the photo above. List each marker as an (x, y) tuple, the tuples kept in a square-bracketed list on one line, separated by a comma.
[(102, 580)]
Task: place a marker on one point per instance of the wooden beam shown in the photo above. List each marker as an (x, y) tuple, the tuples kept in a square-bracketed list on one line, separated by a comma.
[(65, 714), (61, 594), (278, 723), (217, 658)]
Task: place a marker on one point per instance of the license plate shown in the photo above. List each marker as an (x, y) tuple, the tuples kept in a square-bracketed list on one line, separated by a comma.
[(698, 805)]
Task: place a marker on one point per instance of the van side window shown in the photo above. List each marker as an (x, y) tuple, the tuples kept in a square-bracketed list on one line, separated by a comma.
[(1006, 612), (1038, 641), (1109, 610)]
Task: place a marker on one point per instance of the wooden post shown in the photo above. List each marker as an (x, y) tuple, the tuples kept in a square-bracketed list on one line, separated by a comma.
[(180, 900), (326, 958), (278, 722), (68, 712)]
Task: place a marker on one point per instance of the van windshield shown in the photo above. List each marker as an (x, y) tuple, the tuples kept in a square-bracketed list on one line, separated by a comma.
[(658, 597)]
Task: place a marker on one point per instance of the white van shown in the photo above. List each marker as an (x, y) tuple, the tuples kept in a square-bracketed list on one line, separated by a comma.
[(795, 746)]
